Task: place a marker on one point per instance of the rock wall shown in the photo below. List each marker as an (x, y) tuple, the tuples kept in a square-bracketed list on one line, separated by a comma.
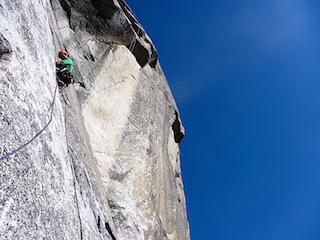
[(103, 161)]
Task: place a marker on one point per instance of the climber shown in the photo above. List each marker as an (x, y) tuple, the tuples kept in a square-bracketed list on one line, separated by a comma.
[(64, 69)]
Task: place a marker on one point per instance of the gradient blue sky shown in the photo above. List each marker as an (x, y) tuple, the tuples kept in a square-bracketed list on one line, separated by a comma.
[(246, 78)]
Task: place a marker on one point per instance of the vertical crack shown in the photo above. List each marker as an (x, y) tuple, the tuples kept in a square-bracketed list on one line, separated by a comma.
[(75, 190), (110, 231), (66, 7), (71, 154)]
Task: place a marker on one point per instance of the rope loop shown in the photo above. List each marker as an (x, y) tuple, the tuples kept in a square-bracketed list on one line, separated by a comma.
[(38, 134)]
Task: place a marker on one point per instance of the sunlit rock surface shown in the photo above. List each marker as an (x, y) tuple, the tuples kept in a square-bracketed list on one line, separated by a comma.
[(108, 164)]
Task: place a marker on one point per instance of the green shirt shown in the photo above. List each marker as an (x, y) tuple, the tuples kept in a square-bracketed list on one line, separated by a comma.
[(67, 63)]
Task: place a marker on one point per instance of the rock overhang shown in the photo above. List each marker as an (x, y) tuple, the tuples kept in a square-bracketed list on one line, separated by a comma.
[(112, 22)]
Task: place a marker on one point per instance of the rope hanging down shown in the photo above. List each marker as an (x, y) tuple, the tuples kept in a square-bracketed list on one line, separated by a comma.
[(37, 135), (134, 39)]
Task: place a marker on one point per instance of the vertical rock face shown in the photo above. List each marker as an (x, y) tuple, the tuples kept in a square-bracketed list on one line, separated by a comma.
[(103, 161)]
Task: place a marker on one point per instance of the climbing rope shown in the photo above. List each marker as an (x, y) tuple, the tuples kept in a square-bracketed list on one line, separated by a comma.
[(38, 134), (134, 39)]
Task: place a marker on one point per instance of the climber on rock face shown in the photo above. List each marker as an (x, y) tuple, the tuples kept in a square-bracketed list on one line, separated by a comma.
[(64, 69), (66, 61)]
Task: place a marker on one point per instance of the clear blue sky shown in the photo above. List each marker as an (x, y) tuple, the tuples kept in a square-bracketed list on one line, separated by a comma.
[(246, 78)]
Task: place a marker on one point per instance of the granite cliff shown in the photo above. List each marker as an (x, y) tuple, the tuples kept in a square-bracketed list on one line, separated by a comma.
[(101, 161)]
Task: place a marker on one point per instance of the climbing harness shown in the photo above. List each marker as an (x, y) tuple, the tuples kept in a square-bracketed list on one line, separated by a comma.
[(38, 134)]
